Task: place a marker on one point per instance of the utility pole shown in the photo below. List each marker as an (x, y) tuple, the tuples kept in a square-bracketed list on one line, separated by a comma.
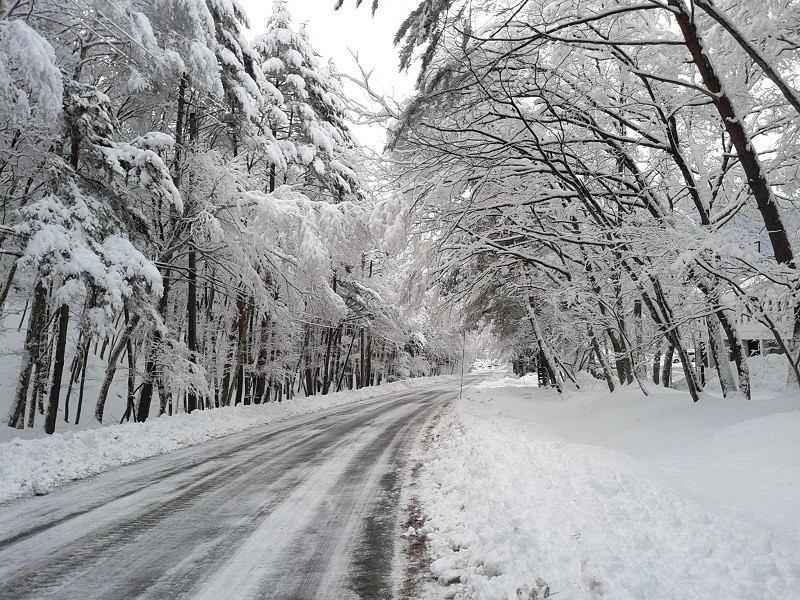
[(463, 353)]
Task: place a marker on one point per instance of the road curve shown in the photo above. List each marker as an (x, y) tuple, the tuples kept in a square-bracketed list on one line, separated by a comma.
[(297, 510)]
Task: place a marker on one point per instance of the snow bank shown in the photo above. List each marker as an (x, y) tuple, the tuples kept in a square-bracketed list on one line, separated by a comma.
[(529, 380), (613, 496), (35, 466)]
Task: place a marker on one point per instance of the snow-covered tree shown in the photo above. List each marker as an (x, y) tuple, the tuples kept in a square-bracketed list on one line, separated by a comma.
[(558, 141), (141, 233), (303, 110)]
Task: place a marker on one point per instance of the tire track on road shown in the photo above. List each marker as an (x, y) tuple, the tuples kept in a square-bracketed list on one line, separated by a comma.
[(161, 537)]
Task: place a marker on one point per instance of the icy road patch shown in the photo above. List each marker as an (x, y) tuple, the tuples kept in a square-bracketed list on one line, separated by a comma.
[(527, 494)]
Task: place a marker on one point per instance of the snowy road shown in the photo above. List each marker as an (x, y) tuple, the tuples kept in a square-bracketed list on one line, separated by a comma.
[(302, 509)]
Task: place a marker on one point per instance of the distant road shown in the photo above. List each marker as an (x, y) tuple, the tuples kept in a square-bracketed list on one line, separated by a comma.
[(303, 509)]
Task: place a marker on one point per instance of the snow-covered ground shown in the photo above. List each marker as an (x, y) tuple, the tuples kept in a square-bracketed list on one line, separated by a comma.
[(613, 496), (35, 466)]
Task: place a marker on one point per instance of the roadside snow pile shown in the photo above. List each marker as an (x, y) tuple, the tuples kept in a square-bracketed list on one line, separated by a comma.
[(618, 496), (529, 380), (36, 466)]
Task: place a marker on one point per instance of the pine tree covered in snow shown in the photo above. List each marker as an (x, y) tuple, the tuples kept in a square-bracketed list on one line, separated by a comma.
[(303, 110)]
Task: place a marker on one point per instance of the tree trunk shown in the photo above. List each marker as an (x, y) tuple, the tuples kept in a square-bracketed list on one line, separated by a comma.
[(75, 367), (666, 370), (146, 394), (621, 354), (179, 123), (191, 334), (337, 355), (41, 370), (745, 150), (625, 356), (544, 351), (7, 287), (130, 409), (731, 331), (261, 393), (151, 363), (600, 359), (241, 326), (111, 369), (346, 360), (621, 362), (308, 367), (328, 369), (792, 97), (720, 356), (639, 365), (737, 352), (164, 398), (657, 367), (30, 353), (82, 387), (662, 316), (362, 372), (688, 369), (368, 361), (58, 370)]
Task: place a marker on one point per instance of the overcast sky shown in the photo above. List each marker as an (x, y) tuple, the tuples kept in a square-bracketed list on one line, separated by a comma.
[(333, 32)]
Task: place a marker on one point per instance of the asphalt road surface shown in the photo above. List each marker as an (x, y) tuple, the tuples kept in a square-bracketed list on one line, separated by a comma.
[(304, 509)]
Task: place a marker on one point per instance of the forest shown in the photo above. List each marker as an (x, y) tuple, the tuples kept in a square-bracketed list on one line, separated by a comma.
[(616, 181), (187, 211), (586, 185)]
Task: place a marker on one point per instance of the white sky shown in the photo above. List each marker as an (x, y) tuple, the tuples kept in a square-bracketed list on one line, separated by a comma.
[(333, 32)]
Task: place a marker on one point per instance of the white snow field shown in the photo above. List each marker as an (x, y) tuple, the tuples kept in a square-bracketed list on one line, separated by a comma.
[(35, 466), (621, 496)]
